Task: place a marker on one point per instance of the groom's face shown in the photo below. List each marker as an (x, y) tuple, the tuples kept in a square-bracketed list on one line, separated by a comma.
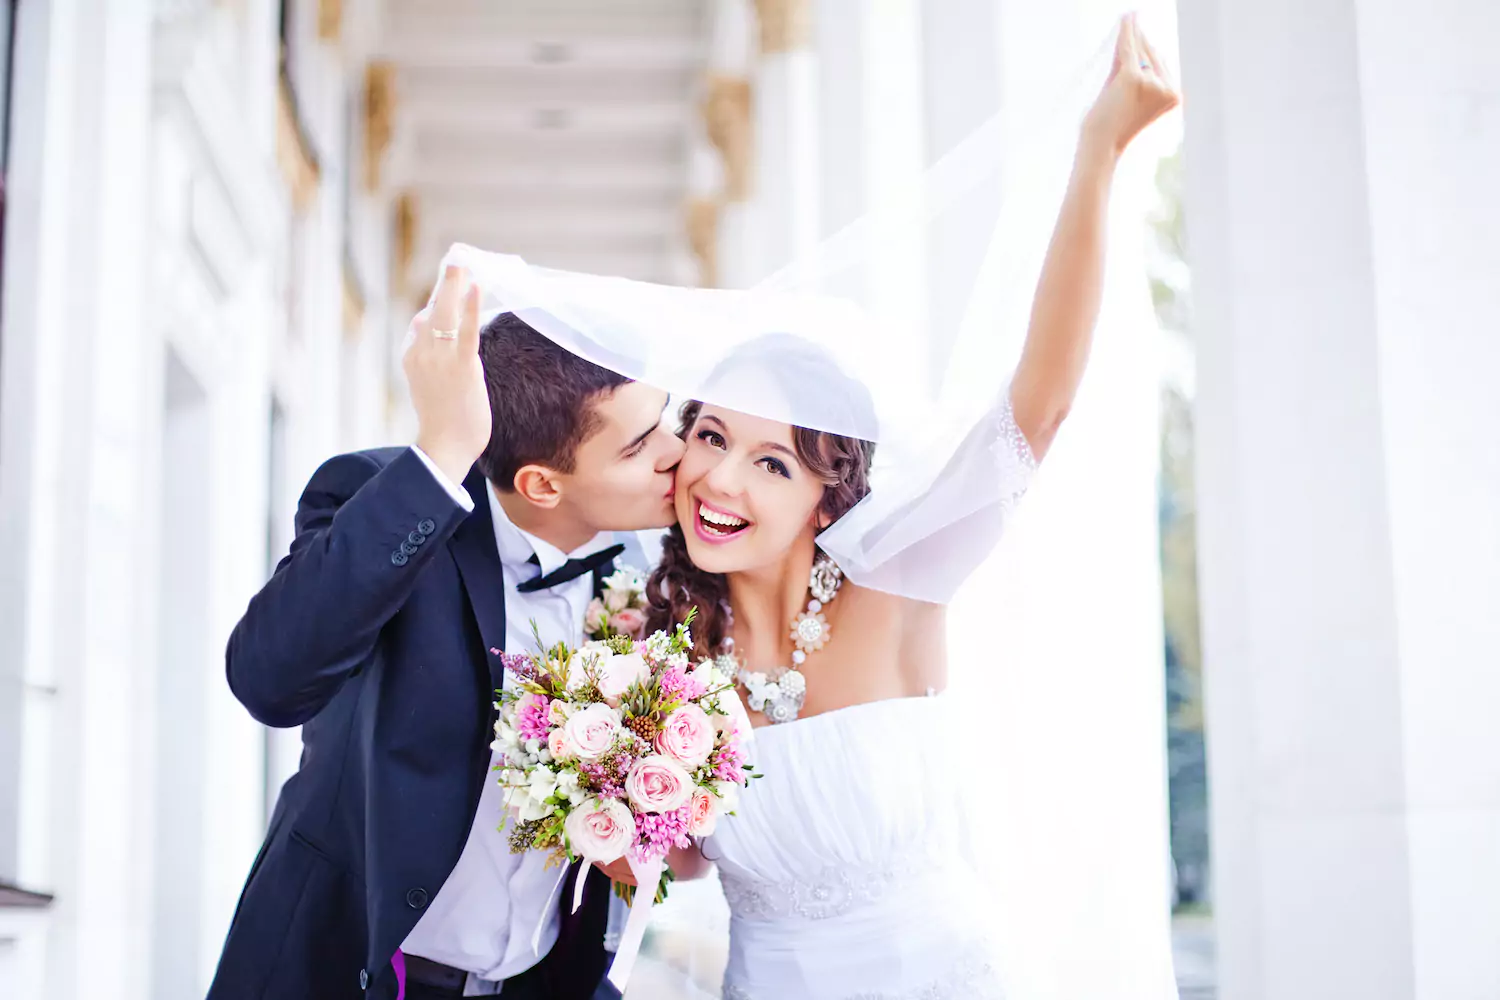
[(623, 473)]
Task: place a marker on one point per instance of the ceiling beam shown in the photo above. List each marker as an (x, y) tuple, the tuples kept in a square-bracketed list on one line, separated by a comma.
[(569, 178), (629, 121), (426, 47)]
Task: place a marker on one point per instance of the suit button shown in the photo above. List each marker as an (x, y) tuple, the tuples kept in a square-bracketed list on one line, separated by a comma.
[(399, 558), (408, 548), (416, 898), (416, 538), (364, 979), (427, 526)]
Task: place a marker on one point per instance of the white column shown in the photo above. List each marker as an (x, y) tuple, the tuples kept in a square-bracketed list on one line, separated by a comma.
[(1343, 234), (731, 55), (1067, 614), (871, 156), (783, 208), (31, 447), (74, 422)]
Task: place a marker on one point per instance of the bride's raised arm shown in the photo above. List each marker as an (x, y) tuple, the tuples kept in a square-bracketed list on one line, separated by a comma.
[(1068, 294)]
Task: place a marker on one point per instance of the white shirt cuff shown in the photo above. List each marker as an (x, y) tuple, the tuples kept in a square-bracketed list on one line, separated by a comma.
[(458, 493)]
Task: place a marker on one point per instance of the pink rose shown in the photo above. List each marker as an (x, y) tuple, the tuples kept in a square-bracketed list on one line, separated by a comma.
[(589, 732), (617, 673), (658, 784), (704, 814), (600, 831), (557, 745), (630, 621), (593, 618), (687, 736)]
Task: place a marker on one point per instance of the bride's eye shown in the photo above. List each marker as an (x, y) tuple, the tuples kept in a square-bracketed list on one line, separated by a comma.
[(777, 468), (711, 438)]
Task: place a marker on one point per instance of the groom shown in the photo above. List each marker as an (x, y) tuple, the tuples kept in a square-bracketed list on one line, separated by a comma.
[(380, 635)]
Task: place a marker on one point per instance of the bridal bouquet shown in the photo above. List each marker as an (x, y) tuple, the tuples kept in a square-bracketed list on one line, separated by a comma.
[(620, 748)]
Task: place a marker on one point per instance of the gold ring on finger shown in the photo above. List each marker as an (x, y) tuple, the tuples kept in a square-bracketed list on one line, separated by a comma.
[(446, 334)]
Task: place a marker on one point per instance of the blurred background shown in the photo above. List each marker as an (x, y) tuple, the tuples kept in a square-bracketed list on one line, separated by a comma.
[(220, 215)]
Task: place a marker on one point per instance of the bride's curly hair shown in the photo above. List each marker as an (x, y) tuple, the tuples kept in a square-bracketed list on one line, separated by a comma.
[(842, 463)]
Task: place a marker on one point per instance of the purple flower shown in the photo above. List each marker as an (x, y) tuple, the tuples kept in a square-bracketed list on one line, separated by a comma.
[(531, 717), (658, 833), (676, 684), (728, 763)]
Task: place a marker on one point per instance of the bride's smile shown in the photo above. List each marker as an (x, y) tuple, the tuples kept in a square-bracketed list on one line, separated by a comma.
[(716, 526)]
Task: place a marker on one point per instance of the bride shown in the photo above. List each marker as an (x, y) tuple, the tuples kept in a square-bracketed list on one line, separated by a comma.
[(846, 866)]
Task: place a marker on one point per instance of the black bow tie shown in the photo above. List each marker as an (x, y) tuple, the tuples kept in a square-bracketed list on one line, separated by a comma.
[(570, 570)]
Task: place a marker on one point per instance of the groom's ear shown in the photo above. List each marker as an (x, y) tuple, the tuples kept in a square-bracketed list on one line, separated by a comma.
[(538, 484)]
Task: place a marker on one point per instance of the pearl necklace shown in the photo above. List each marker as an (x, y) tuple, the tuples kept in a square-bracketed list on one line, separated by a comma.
[(780, 695)]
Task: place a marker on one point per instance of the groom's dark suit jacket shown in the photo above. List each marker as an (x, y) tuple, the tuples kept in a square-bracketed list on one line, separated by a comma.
[(377, 635)]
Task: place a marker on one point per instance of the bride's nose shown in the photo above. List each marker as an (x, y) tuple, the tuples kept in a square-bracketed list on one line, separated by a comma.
[(725, 479)]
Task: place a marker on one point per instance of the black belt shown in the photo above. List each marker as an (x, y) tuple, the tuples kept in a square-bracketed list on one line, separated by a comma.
[(435, 974), (445, 977)]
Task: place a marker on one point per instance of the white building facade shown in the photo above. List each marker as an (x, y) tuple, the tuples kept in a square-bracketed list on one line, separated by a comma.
[(197, 309)]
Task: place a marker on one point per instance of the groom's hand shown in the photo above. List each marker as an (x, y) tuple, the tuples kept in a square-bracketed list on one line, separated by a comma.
[(446, 378), (619, 871)]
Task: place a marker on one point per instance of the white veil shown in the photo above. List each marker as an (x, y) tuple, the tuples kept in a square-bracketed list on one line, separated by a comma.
[(931, 391)]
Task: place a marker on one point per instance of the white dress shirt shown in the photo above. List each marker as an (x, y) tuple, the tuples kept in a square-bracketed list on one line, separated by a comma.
[(485, 915)]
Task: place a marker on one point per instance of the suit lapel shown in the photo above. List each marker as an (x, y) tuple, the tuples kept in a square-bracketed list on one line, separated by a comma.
[(473, 548)]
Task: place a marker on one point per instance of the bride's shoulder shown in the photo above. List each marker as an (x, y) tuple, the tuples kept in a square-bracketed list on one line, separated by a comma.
[(891, 606), (902, 624)]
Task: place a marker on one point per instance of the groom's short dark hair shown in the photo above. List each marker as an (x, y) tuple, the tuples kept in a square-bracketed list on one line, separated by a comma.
[(541, 400)]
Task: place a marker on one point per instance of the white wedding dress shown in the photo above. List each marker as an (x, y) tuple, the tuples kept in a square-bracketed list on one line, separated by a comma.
[(848, 866)]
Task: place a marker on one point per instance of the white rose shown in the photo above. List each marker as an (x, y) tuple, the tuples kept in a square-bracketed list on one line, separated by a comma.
[(600, 831), (616, 600), (618, 673)]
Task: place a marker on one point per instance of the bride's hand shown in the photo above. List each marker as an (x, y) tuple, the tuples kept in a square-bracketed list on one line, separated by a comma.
[(618, 870), (1139, 91)]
